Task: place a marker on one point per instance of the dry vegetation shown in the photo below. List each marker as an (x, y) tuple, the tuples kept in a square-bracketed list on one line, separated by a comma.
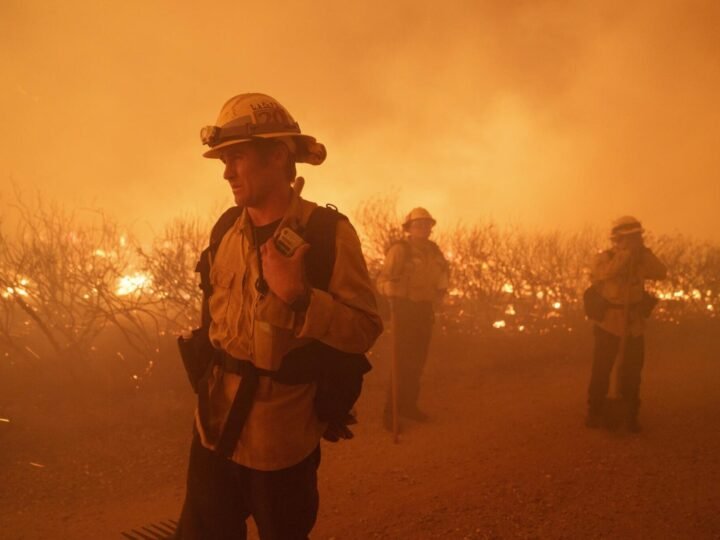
[(513, 280), (73, 291), (88, 314)]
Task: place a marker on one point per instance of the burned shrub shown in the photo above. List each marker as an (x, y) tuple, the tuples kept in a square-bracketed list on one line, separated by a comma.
[(65, 281), (170, 262), (514, 280)]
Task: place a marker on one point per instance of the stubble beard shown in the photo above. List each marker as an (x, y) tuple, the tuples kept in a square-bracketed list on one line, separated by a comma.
[(251, 198)]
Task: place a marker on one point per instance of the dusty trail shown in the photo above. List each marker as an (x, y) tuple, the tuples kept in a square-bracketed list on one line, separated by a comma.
[(505, 455)]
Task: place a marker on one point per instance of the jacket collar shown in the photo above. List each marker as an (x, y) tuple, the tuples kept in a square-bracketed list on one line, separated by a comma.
[(294, 217)]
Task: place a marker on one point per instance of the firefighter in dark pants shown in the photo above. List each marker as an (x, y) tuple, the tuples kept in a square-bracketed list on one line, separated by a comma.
[(619, 275), (263, 309), (415, 278)]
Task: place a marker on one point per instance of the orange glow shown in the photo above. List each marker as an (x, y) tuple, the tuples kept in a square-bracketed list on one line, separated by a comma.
[(132, 284), (527, 113)]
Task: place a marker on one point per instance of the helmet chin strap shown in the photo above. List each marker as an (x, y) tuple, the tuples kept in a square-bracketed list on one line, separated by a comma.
[(298, 185)]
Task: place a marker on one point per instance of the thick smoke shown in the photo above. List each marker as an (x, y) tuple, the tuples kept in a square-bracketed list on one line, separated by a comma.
[(546, 114)]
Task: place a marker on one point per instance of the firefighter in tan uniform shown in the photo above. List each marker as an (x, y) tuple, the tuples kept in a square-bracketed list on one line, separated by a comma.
[(619, 275), (262, 310), (415, 279)]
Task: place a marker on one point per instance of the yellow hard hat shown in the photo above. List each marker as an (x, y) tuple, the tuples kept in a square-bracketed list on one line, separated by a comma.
[(249, 116), (415, 214), (624, 226)]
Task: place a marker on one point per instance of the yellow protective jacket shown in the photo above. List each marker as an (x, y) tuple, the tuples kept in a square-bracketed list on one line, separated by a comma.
[(414, 269), (611, 274), (282, 427)]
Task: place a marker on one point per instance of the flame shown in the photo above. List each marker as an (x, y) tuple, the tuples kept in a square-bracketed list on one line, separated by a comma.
[(510, 310), (132, 283), (499, 324), (557, 305), (508, 288), (19, 290), (10, 291)]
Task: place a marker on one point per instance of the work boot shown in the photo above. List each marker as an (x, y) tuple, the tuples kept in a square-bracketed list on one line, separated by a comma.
[(595, 417), (633, 426), (594, 421)]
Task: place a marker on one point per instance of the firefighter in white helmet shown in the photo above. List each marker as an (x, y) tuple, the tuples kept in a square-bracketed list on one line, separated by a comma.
[(621, 306), (288, 313), (415, 279)]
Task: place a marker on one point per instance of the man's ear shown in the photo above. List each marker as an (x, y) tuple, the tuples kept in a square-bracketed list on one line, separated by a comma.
[(281, 153)]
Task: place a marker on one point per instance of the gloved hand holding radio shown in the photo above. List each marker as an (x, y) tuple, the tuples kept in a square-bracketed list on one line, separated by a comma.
[(285, 275)]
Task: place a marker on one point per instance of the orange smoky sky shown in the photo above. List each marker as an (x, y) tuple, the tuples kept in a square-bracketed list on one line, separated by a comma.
[(548, 114)]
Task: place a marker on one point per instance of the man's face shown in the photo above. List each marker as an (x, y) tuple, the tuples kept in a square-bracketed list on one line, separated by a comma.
[(420, 228), (252, 177), (630, 241)]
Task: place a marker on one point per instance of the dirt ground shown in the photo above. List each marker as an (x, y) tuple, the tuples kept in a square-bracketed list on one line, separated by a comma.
[(505, 454)]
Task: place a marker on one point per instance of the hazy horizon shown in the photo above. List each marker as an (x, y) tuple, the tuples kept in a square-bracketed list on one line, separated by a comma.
[(548, 114)]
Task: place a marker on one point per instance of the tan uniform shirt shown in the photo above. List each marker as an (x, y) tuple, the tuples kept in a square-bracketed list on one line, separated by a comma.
[(414, 269), (282, 427), (610, 272)]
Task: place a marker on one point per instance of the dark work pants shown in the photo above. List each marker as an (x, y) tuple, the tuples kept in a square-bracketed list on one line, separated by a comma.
[(412, 324), (605, 352), (221, 495)]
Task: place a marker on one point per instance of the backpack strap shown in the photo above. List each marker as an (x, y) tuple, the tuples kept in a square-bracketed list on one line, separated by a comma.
[(405, 247), (221, 227), (337, 374), (320, 233), (199, 360)]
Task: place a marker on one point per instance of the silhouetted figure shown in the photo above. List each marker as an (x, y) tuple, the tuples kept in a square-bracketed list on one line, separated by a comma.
[(288, 314), (621, 306), (415, 278)]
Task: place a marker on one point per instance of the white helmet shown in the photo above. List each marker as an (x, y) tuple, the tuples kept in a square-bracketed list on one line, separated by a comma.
[(415, 214), (625, 226), (249, 116)]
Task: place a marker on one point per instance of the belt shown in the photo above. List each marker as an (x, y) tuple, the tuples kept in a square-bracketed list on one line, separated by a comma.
[(294, 370), (242, 403), (240, 366)]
